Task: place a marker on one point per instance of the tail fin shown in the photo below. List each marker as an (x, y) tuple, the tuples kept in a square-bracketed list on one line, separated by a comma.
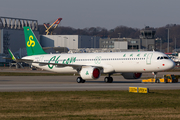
[(12, 56), (32, 45)]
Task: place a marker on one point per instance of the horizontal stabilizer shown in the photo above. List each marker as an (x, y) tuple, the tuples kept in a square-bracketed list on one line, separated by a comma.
[(19, 60)]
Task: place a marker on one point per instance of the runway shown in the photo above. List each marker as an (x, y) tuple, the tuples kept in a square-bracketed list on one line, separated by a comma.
[(68, 83)]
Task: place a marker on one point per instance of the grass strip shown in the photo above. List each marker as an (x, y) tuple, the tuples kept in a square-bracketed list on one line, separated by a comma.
[(90, 105)]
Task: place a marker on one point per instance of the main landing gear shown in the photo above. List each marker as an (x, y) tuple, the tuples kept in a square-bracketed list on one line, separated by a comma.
[(108, 79), (80, 80)]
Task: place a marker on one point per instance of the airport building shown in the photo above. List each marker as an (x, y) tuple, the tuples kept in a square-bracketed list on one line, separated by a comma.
[(70, 41), (12, 35), (120, 43), (146, 41)]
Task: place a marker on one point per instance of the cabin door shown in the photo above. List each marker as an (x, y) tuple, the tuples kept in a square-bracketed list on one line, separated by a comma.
[(148, 59)]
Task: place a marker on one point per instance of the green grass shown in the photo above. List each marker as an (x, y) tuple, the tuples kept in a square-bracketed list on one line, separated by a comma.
[(90, 105)]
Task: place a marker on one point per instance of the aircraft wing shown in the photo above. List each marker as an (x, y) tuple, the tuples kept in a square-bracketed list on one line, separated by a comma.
[(105, 68), (65, 65), (43, 63), (19, 60)]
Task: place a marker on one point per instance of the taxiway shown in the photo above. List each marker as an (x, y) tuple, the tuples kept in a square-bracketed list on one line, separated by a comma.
[(68, 83)]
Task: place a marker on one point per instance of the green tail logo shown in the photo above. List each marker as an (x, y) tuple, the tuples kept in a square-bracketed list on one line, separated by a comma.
[(32, 44)]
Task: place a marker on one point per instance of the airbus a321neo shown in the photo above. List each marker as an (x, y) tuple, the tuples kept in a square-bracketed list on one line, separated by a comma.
[(91, 65)]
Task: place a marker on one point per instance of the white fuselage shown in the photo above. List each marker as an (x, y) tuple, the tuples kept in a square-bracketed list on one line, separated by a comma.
[(118, 62)]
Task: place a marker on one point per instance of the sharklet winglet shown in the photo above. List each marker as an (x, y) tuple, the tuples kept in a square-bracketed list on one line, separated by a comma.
[(12, 56)]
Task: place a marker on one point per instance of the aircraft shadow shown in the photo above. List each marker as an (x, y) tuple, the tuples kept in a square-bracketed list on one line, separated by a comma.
[(5, 80), (114, 82)]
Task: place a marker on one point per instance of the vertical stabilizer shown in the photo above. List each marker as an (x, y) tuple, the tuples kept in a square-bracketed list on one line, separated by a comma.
[(32, 44)]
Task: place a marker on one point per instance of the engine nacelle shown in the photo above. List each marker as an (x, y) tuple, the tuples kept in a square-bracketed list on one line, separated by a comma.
[(90, 73), (132, 75)]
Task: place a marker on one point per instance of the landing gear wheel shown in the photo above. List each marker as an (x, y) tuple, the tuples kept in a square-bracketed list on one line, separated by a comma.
[(79, 80), (157, 81), (108, 79), (83, 81)]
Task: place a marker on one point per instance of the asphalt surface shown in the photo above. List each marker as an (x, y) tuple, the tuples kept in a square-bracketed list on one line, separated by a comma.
[(68, 83)]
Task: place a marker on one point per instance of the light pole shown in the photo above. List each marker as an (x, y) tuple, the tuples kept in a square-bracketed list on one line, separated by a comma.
[(159, 39), (160, 45), (175, 45), (132, 44), (168, 41), (119, 35), (146, 45), (65, 42)]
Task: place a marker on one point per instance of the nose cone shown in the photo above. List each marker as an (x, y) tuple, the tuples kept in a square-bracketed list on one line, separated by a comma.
[(171, 65)]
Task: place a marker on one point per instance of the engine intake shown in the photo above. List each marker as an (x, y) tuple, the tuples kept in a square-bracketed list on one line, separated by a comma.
[(90, 73)]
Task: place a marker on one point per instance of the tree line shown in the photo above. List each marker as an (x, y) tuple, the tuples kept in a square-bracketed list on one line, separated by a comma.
[(123, 31)]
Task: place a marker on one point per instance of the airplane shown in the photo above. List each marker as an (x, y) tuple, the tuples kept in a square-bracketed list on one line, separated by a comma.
[(90, 66)]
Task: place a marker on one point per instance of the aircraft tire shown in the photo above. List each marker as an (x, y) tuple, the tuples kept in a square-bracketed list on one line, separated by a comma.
[(106, 79), (83, 81), (79, 80), (110, 79), (157, 81)]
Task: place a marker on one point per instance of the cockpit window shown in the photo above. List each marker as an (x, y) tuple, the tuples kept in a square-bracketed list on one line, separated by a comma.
[(162, 57), (166, 57)]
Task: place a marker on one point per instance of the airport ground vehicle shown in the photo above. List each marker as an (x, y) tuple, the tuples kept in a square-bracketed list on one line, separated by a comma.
[(166, 79)]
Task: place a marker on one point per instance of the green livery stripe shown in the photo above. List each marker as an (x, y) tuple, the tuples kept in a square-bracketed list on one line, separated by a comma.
[(32, 44), (12, 56)]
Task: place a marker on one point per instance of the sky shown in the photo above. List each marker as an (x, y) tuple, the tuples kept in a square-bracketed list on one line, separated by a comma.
[(96, 13)]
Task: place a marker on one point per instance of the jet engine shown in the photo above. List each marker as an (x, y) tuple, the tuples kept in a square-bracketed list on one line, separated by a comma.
[(90, 73), (132, 75)]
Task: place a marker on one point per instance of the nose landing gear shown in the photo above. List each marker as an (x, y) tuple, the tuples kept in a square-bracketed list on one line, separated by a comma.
[(155, 77)]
